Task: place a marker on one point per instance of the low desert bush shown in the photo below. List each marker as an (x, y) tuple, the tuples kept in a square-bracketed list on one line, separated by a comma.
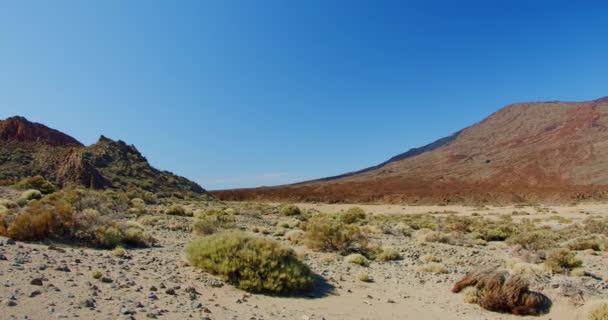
[(176, 210), (430, 258), (433, 267), (535, 239), (37, 183), (470, 295), (9, 204), (96, 274), (388, 254), (501, 292), (108, 236), (357, 258), (134, 234), (352, 215), (326, 234), (598, 311), (29, 195), (209, 221), (363, 277), (252, 264), (290, 210), (527, 269), (586, 243), (138, 207), (294, 236), (40, 220), (562, 260)]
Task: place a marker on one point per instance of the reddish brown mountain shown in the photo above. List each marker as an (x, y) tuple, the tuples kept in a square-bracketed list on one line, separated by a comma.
[(28, 149), (549, 151), (19, 129)]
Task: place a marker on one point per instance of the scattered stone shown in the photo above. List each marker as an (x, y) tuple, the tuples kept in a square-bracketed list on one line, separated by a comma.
[(36, 282), (63, 268)]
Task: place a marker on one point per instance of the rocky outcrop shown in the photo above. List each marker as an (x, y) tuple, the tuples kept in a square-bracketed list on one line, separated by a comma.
[(28, 149)]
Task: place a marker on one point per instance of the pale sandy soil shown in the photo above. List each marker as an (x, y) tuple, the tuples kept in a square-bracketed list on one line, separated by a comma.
[(399, 291)]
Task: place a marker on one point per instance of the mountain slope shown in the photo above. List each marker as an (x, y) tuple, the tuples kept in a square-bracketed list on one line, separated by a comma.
[(28, 149), (549, 151)]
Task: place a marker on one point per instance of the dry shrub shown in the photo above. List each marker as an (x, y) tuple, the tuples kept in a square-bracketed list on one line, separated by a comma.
[(252, 264), (294, 236), (527, 269), (41, 220), (352, 215), (535, 239), (433, 267), (176, 210), (501, 292), (562, 260), (363, 277), (290, 210), (134, 234), (430, 258), (598, 311), (208, 222), (388, 254), (586, 243), (326, 234)]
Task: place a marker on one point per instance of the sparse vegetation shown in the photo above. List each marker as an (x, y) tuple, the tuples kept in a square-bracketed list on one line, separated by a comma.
[(562, 260), (252, 264), (598, 311), (433, 267)]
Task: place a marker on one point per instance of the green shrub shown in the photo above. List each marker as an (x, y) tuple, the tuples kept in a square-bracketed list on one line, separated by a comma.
[(252, 264), (562, 260), (96, 274), (357, 258), (209, 221), (108, 236), (326, 234), (37, 183), (31, 194), (290, 210), (134, 234), (352, 215), (8, 204)]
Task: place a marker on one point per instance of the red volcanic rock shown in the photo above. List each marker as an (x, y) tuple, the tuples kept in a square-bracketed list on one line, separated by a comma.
[(21, 130), (547, 151)]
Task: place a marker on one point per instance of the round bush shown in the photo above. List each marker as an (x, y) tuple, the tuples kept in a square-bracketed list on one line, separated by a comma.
[(353, 215), (31, 194), (290, 210), (356, 258), (252, 264)]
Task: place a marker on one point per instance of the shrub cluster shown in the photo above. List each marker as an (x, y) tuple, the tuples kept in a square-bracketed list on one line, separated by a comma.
[(252, 264), (290, 210), (36, 183)]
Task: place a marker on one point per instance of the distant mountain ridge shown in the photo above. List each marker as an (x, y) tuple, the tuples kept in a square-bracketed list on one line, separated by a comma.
[(543, 151), (28, 148)]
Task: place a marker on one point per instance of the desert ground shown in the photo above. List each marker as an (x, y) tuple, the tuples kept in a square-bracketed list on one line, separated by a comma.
[(48, 279)]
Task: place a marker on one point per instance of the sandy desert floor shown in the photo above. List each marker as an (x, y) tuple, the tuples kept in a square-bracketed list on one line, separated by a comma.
[(47, 281)]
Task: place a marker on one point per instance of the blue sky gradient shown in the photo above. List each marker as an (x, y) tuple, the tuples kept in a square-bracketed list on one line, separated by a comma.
[(248, 93)]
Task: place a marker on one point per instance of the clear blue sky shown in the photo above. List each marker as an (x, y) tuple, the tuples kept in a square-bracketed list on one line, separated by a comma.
[(248, 93)]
